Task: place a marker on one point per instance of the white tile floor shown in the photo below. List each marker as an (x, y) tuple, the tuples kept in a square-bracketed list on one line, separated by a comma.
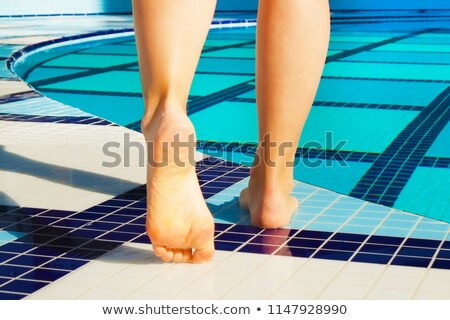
[(132, 272), (68, 153)]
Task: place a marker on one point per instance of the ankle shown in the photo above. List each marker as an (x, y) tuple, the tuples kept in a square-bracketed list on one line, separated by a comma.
[(270, 180), (165, 108)]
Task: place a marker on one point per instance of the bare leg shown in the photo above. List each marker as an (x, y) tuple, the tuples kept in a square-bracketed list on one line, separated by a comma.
[(291, 47), (170, 37)]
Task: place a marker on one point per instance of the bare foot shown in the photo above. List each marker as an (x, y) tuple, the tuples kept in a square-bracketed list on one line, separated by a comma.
[(179, 223), (270, 204)]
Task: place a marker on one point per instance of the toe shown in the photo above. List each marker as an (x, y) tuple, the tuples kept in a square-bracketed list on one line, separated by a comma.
[(204, 254), (177, 255), (159, 250), (243, 198), (164, 253)]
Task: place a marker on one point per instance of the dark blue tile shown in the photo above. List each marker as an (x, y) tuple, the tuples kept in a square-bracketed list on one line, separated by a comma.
[(49, 251), (281, 232), (6, 256), (416, 252), (130, 212), (11, 296), (236, 237), (411, 261), (70, 223), (65, 264), (226, 246), (295, 252), (89, 234), (349, 237), (138, 205), (446, 245), (12, 271), (118, 236), (372, 258), (30, 211), (254, 248), (89, 216), (380, 249), (116, 218), (222, 226), (117, 203), (66, 241), (44, 275), (424, 243), (23, 286), (341, 245), (333, 255), (142, 239), (313, 234), (57, 213), (443, 254), (441, 264), (52, 231), (29, 260), (132, 228), (101, 209), (269, 240), (16, 247), (245, 229), (105, 226), (101, 245), (83, 254), (4, 280), (305, 243)]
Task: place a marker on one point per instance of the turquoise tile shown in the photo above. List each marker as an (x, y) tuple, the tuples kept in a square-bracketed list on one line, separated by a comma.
[(372, 214), (112, 49), (421, 234), (351, 38), (388, 71), (436, 227), (332, 176), (313, 210), (399, 215), (413, 57), (433, 201), (357, 129), (357, 229), (338, 212), (441, 146), (232, 53), (46, 73), (248, 95), (365, 221), (226, 65), (8, 236), (298, 224), (384, 92), (318, 226), (399, 224), (89, 61), (331, 219), (414, 47), (392, 232)]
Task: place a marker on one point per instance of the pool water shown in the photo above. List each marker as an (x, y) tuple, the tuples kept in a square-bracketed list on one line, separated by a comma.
[(379, 125)]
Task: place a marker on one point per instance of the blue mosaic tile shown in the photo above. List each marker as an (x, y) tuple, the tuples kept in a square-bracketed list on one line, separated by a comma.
[(23, 286), (44, 275), (11, 296), (65, 264)]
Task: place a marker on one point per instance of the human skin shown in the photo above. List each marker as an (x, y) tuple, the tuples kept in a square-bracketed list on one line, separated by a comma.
[(291, 47)]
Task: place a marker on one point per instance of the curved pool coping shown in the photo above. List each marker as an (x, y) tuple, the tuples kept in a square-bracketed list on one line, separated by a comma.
[(101, 37)]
